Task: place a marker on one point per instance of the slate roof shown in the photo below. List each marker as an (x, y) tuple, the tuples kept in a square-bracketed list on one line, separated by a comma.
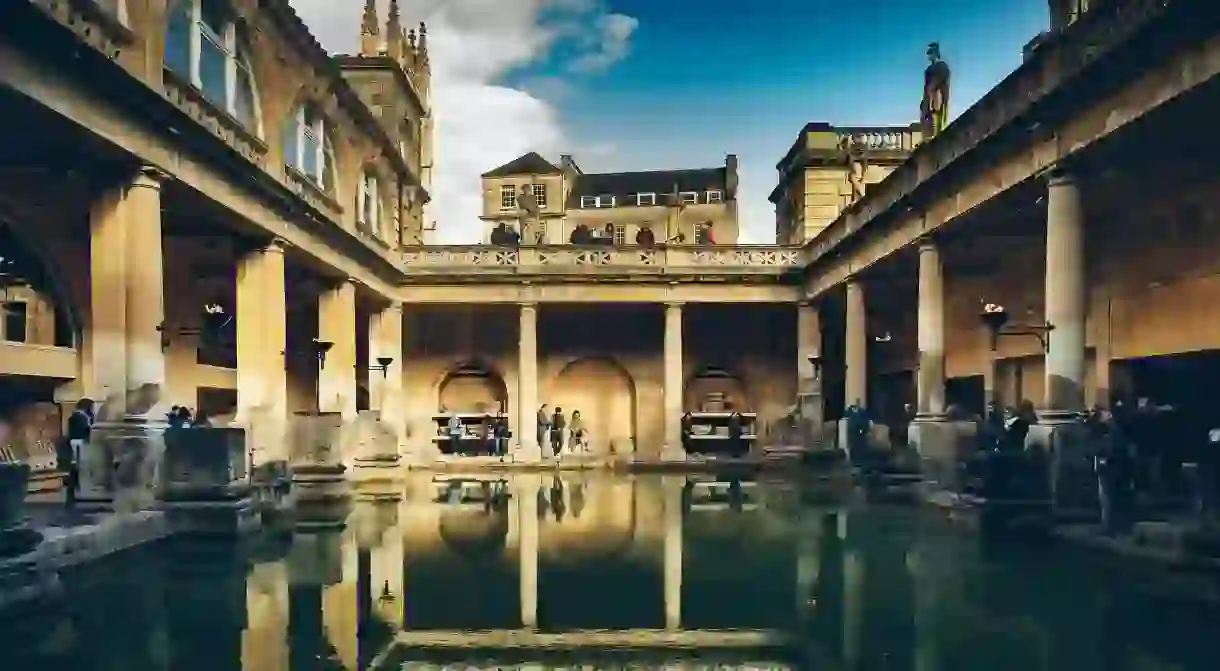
[(529, 164), (660, 182)]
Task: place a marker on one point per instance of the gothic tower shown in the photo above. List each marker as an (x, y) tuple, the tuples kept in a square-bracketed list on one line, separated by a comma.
[(392, 74)]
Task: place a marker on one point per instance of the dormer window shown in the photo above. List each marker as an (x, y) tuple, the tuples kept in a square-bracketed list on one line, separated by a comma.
[(715, 196), (688, 197), (308, 149), (369, 206), (645, 199), (203, 46)]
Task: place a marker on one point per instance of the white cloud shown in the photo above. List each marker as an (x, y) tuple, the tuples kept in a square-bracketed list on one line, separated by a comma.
[(611, 43), (480, 123)]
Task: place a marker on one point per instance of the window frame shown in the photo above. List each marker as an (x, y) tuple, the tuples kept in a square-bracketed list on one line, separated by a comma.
[(688, 197), (539, 193), (639, 199), (14, 316), (588, 202), (231, 43), (714, 196), (324, 157), (604, 201), (369, 213), (620, 235), (508, 197)]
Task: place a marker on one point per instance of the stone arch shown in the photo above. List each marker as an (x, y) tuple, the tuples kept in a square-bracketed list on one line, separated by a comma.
[(710, 386), (604, 393), (23, 262), (471, 385)]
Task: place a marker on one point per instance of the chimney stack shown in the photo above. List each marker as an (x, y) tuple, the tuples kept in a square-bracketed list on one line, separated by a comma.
[(730, 176)]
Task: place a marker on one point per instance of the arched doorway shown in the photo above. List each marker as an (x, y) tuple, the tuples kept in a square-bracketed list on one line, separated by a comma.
[(604, 393), (472, 387), (715, 389)]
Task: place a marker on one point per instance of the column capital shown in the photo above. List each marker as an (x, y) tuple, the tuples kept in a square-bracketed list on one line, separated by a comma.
[(275, 246), (150, 177), (674, 304), (394, 306), (1059, 175), (806, 303), (927, 243), (527, 305)]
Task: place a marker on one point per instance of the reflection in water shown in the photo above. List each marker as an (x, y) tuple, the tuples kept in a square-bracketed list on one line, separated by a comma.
[(859, 589)]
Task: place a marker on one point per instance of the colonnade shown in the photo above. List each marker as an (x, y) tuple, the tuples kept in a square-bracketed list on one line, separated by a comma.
[(1065, 314)]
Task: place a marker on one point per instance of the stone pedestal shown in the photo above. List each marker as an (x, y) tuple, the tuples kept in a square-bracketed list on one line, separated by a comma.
[(376, 468), (943, 448), (811, 414), (205, 483), (118, 467), (1063, 444), (320, 491)]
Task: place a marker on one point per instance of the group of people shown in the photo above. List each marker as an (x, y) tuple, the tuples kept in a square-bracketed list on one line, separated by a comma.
[(554, 427), (181, 417), (491, 435), (504, 235)]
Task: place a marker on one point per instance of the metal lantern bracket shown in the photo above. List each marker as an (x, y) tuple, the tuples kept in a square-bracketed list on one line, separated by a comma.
[(383, 365), (816, 362), (997, 322)]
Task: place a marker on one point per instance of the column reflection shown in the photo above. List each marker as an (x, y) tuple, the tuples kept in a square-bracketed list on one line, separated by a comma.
[(315, 562)]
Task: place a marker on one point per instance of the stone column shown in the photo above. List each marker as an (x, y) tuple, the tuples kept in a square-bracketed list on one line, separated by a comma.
[(856, 379), (809, 377), (526, 493), (1073, 481), (262, 376), (526, 429), (105, 341), (673, 487), (385, 387), (1065, 298), (145, 289), (853, 606), (337, 324), (671, 406), (931, 333)]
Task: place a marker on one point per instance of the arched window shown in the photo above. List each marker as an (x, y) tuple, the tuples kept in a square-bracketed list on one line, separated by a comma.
[(369, 206), (204, 47), (308, 149)]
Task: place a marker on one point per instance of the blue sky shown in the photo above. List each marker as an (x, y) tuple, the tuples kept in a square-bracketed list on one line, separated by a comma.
[(704, 78), (656, 84)]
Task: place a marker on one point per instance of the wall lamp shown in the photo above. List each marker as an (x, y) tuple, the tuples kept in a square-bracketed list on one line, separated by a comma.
[(816, 362), (999, 324), (383, 365)]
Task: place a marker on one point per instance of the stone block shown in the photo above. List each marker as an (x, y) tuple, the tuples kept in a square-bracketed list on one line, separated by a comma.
[(118, 466), (316, 439), (1068, 456), (315, 559), (204, 464), (943, 448)]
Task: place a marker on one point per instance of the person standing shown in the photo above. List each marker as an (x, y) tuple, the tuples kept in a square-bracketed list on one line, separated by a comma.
[(80, 428), (502, 435), (557, 426), (454, 431), (544, 426)]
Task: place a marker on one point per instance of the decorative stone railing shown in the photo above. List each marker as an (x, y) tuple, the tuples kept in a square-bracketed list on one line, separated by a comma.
[(880, 139), (573, 259), (1057, 60)]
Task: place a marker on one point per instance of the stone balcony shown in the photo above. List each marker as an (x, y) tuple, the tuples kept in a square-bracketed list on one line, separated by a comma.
[(685, 261)]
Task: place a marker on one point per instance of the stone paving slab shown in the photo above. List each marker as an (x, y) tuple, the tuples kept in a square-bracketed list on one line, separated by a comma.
[(658, 639)]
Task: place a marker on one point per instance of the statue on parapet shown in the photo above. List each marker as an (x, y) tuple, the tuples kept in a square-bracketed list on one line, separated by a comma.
[(934, 108)]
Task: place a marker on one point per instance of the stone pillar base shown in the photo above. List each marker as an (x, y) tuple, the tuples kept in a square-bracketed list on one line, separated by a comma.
[(812, 421), (943, 447), (1071, 478), (320, 493), (118, 466)]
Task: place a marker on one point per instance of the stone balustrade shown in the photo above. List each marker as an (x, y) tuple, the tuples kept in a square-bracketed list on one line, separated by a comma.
[(580, 259)]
